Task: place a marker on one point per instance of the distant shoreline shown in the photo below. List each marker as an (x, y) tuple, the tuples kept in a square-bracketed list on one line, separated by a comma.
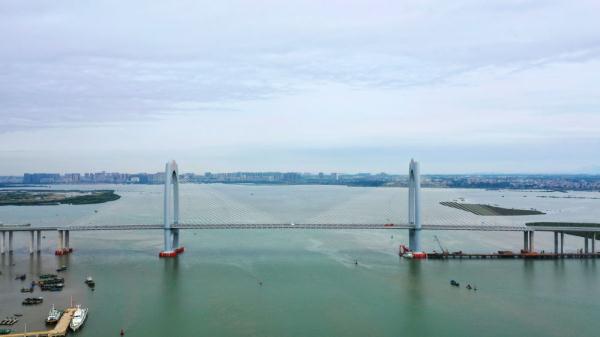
[(21, 197)]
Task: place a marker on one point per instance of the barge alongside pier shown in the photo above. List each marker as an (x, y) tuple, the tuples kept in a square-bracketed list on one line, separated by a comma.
[(510, 255)]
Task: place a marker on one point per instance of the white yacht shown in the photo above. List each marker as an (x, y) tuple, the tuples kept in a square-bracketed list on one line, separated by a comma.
[(53, 315), (78, 318)]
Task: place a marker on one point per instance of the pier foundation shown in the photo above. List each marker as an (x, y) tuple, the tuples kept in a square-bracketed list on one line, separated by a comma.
[(63, 243)]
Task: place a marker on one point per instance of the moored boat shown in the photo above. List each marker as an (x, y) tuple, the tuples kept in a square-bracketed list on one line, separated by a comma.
[(53, 316), (33, 300), (48, 276), (78, 318)]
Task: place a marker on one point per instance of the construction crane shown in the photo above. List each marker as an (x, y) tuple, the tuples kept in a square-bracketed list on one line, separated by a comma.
[(444, 251)]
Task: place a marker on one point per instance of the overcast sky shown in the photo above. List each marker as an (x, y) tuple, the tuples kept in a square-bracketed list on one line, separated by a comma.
[(344, 86)]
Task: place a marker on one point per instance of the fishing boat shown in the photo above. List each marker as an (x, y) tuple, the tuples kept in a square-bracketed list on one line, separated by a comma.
[(62, 268), (78, 318), (33, 300), (53, 315), (48, 276)]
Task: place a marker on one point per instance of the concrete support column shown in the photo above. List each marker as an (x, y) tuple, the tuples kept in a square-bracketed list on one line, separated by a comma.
[(39, 241), (586, 250), (531, 245), (3, 243), (60, 240), (10, 242), (526, 241), (562, 242), (31, 238), (175, 238), (555, 242), (67, 239), (593, 243)]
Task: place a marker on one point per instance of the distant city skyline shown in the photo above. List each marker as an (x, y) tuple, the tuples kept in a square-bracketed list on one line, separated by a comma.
[(309, 86), (489, 181)]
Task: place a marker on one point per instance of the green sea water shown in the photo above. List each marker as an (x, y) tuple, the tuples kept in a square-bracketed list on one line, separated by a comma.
[(311, 285)]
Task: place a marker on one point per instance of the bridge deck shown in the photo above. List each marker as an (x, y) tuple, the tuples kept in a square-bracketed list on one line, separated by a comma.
[(299, 226), (313, 226)]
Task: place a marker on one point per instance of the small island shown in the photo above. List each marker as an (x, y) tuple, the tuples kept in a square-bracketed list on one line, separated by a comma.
[(489, 210), (46, 197)]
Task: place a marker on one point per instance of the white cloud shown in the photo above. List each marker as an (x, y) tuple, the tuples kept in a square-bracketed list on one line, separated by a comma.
[(242, 77)]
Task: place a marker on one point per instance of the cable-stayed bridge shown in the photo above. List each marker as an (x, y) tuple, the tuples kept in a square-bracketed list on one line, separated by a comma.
[(243, 218)]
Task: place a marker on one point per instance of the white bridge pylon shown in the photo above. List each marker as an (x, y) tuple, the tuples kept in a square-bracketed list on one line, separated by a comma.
[(414, 206), (171, 195)]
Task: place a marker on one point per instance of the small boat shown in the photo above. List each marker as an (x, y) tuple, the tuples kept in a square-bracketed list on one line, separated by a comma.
[(90, 282), (9, 321), (78, 318), (53, 315), (33, 300), (27, 290), (454, 283), (21, 277), (18, 315), (62, 268), (56, 280), (48, 276)]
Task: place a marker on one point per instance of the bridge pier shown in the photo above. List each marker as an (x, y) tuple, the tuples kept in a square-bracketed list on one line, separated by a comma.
[(555, 242), (593, 243), (3, 243), (562, 242), (10, 242), (63, 243), (67, 246), (31, 241), (531, 245), (585, 246), (39, 241), (526, 240)]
